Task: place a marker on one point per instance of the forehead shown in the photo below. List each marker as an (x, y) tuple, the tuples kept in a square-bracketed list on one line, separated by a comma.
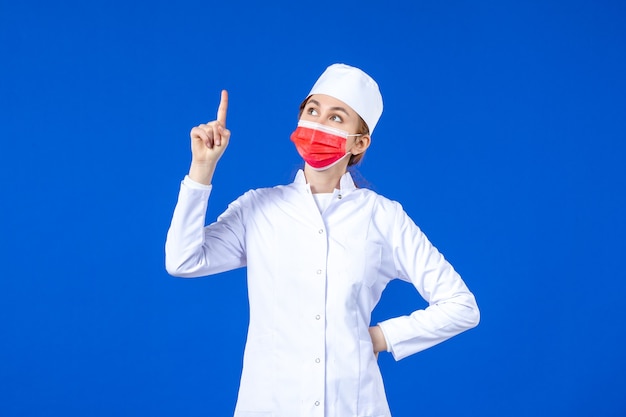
[(331, 102)]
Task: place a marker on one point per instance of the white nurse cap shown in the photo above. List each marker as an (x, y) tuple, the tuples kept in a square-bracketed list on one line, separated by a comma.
[(355, 88)]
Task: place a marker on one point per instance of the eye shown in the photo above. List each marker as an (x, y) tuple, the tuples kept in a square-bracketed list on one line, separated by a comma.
[(336, 118), (311, 111)]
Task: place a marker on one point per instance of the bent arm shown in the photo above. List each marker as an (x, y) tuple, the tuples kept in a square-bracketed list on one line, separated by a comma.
[(452, 307), (193, 249)]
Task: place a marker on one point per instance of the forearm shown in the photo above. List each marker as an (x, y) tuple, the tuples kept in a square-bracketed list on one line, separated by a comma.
[(425, 328), (202, 172), (378, 339), (185, 237)]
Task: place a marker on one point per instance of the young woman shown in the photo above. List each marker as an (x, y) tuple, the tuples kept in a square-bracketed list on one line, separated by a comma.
[(319, 253)]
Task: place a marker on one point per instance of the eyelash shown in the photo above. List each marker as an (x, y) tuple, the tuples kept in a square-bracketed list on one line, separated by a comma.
[(334, 117)]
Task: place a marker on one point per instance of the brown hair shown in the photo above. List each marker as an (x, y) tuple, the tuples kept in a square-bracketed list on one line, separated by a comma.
[(362, 130)]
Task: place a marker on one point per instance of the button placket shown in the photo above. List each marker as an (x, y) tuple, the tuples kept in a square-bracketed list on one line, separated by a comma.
[(316, 365)]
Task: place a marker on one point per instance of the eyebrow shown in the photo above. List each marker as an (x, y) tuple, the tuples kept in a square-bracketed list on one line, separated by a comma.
[(336, 108)]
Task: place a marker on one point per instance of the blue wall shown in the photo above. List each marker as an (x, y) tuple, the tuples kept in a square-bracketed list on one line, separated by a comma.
[(502, 136)]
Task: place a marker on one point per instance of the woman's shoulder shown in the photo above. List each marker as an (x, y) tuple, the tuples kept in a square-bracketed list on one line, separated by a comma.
[(264, 193), (377, 199)]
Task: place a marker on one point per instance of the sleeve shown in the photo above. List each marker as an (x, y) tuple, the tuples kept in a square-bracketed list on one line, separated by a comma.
[(196, 185), (193, 249), (451, 309)]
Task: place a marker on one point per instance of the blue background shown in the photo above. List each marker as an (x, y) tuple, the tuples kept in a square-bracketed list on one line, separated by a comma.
[(502, 136)]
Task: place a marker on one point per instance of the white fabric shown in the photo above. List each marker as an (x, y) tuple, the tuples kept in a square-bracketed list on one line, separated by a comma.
[(307, 124), (355, 88), (198, 185), (323, 200), (313, 281)]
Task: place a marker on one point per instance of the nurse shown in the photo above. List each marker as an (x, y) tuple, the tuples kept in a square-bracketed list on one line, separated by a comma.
[(319, 253)]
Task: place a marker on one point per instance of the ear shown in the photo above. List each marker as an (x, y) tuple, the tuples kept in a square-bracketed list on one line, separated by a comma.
[(361, 143)]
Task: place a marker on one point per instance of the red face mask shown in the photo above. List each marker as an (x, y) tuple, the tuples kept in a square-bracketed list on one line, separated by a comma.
[(319, 145)]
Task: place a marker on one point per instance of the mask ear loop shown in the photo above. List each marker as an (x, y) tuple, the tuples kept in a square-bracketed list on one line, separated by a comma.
[(355, 135)]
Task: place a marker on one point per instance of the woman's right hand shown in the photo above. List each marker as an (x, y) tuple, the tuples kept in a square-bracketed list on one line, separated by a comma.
[(208, 143)]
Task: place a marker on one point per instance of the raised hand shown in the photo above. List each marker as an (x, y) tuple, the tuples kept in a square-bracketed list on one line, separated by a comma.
[(208, 143)]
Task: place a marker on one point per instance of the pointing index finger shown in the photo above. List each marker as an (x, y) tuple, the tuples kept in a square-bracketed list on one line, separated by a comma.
[(221, 110)]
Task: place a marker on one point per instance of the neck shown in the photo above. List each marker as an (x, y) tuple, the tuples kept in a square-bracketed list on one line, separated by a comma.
[(324, 181)]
